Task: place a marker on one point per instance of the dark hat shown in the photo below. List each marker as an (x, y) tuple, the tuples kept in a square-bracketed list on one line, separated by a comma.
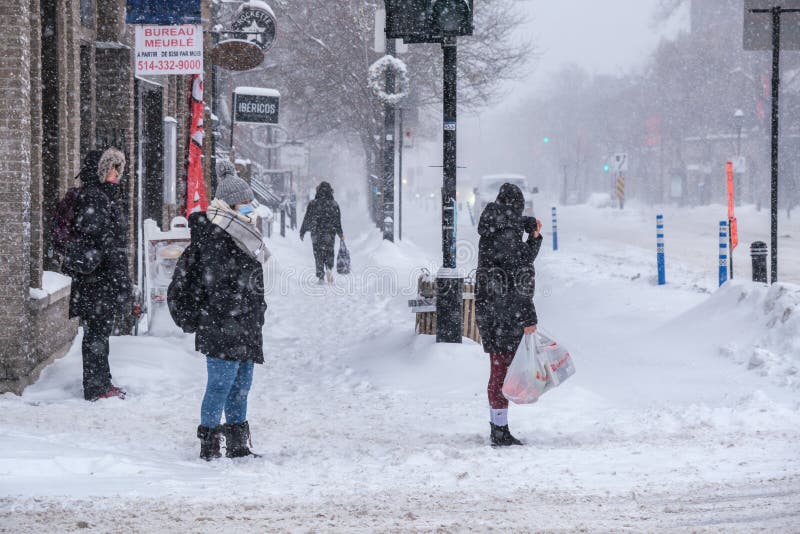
[(324, 190), (89, 171), (510, 195)]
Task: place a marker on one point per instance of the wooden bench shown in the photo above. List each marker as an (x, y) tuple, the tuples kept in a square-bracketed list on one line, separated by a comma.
[(424, 306)]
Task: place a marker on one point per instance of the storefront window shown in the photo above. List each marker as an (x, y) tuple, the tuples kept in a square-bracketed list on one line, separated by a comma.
[(87, 13)]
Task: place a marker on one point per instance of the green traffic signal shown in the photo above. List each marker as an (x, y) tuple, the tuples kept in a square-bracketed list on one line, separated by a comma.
[(606, 168)]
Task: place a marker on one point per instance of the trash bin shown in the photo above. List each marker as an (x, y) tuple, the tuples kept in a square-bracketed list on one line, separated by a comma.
[(758, 253)]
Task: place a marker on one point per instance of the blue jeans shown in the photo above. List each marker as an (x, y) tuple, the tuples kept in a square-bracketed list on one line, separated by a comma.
[(227, 388)]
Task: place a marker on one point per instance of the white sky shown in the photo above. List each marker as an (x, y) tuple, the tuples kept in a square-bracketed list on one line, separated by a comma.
[(602, 36)]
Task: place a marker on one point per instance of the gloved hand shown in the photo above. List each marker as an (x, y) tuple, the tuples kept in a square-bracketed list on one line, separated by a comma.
[(529, 224)]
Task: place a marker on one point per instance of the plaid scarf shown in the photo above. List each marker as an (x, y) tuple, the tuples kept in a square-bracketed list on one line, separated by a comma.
[(242, 228)]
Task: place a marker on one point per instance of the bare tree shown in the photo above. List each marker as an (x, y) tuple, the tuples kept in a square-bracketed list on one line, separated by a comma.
[(324, 52)]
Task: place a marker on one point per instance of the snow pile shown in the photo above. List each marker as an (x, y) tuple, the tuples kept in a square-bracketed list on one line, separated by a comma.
[(52, 283), (774, 318), (599, 200)]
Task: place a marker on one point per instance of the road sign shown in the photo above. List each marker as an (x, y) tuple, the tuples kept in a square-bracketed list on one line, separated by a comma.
[(621, 162), (256, 105), (758, 26), (739, 165)]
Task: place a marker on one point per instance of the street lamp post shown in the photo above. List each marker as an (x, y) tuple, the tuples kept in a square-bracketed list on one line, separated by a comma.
[(738, 120)]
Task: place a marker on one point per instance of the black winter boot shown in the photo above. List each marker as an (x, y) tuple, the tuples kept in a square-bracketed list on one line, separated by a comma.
[(237, 440), (209, 444), (501, 436)]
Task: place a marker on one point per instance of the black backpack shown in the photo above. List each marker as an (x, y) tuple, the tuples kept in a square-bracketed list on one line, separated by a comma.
[(62, 229)]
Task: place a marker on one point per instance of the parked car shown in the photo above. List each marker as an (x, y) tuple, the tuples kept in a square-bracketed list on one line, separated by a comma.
[(489, 186)]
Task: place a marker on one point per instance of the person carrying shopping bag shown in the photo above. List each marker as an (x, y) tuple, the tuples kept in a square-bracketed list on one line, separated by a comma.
[(324, 220), (505, 281), (217, 292)]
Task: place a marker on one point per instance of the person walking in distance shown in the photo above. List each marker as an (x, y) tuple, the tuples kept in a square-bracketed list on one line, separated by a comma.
[(324, 220), (217, 292), (101, 285), (504, 306)]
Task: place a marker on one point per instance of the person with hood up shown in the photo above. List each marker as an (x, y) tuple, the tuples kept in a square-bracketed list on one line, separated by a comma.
[(324, 220), (217, 292), (504, 306), (102, 287)]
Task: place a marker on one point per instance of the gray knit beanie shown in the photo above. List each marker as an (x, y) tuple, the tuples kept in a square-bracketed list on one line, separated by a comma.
[(225, 169), (231, 189)]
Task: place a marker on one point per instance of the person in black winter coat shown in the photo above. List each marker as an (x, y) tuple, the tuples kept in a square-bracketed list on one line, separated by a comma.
[(504, 306), (324, 220), (97, 296), (217, 292)]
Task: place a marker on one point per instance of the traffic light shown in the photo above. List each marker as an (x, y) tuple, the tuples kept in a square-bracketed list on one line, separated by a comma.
[(428, 21), (606, 168), (546, 140)]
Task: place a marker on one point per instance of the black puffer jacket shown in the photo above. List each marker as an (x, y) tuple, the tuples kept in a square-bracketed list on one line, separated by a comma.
[(217, 292), (323, 217), (103, 228), (505, 278)]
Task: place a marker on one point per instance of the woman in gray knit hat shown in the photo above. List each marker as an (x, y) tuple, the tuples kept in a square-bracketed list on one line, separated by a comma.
[(218, 293)]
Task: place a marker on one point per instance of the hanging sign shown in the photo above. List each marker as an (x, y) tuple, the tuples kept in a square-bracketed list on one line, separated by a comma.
[(164, 50), (256, 105), (255, 22), (163, 12)]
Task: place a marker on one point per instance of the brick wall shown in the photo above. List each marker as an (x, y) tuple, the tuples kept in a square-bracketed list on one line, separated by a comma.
[(37, 244), (15, 177), (115, 117)]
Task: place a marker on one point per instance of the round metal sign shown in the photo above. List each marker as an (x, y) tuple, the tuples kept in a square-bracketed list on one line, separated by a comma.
[(255, 22), (237, 54)]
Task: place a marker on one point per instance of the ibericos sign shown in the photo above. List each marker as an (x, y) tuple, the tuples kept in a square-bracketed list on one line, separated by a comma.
[(169, 49), (256, 105)]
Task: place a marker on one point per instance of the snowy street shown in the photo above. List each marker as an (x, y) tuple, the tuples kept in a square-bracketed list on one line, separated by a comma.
[(684, 414)]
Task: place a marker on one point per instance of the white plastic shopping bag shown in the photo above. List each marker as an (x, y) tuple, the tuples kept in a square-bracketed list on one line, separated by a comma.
[(526, 378), (556, 358)]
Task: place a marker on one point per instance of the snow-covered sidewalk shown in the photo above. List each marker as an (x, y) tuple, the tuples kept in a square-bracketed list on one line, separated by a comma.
[(684, 413)]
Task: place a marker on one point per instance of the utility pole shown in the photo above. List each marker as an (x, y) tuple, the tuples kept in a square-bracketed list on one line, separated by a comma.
[(776, 12), (400, 175), (388, 152), (449, 323)]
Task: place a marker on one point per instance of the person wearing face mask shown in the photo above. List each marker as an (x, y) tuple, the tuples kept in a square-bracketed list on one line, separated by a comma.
[(103, 288), (217, 292)]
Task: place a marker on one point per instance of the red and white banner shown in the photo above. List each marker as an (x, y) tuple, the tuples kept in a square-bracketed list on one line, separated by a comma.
[(734, 230), (196, 199), (164, 50)]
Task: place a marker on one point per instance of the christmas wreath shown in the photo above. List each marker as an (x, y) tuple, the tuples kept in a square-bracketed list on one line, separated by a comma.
[(377, 79)]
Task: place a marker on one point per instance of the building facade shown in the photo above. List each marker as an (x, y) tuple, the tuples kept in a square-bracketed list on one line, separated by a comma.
[(67, 86)]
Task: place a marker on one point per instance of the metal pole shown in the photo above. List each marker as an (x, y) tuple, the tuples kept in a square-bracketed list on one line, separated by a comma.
[(555, 229), (449, 323), (776, 79), (660, 264), (400, 178), (388, 153), (564, 188), (233, 122), (723, 252)]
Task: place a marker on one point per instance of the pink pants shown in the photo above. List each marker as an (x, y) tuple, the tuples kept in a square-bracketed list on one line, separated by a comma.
[(497, 376)]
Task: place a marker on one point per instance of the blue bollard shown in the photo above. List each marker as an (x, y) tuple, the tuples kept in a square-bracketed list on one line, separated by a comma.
[(662, 274), (723, 252), (555, 230)]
